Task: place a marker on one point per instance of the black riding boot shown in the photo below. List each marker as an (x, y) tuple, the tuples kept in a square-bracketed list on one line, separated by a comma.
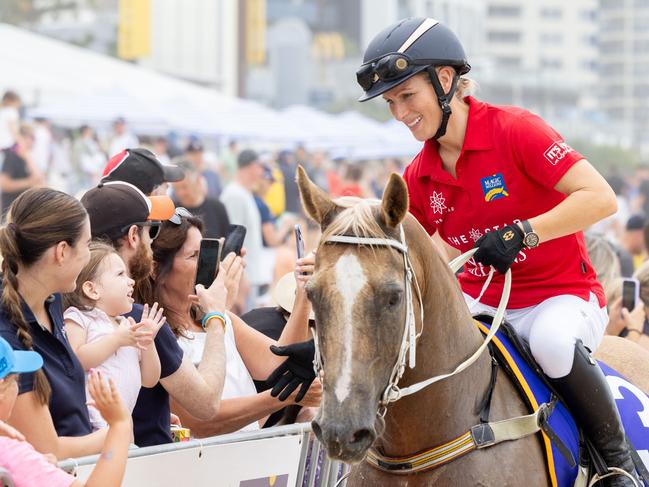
[(588, 397)]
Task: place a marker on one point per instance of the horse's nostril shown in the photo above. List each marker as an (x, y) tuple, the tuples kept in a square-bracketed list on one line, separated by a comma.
[(363, 435)]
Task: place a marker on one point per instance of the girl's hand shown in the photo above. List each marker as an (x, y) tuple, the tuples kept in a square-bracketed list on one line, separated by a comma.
[(107, 400), (153, 318), (10, 431), (131, 334)]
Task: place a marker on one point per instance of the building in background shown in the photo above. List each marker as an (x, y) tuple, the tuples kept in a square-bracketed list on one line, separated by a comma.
[(196, 40), (90, 24), (624, 75), (581, 64), (542, 55), (313, 51), (464, 17)]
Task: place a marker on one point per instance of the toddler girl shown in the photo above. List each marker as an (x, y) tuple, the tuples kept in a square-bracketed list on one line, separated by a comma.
[(103, 339)]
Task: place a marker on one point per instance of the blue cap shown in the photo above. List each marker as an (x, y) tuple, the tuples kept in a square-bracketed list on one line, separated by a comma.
[(17, 361)]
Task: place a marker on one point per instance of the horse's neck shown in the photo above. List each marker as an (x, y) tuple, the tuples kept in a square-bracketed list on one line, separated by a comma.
[(447, 409)]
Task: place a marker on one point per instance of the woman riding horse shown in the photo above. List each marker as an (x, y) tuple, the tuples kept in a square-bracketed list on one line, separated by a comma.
[(500, 179)]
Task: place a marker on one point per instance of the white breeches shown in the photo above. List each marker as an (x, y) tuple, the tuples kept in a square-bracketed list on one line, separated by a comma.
[(552, 327)]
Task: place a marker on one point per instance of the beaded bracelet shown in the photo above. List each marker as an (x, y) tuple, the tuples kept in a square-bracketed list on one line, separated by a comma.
[(211, 315)]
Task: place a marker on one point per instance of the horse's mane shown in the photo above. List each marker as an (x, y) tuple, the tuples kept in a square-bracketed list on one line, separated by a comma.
[(357, 218)]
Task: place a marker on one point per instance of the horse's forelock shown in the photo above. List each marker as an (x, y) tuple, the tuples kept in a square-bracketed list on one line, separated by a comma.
[(358, 217)]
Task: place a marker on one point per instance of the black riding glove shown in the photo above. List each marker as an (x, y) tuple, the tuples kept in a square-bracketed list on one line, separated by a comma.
[(295, 370), (499, 248)]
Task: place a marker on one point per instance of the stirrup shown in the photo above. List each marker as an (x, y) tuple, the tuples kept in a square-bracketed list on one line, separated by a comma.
[(612, 472)]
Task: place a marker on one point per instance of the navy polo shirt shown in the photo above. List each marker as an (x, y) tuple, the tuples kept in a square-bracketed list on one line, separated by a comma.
[(151, 416), (61, 366)]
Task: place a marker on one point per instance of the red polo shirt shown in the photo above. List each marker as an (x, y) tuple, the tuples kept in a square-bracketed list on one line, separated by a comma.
[(508, 167)]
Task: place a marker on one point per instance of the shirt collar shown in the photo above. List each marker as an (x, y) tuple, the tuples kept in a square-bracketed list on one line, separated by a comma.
[(29, 314), (478, 127), (477, 137)]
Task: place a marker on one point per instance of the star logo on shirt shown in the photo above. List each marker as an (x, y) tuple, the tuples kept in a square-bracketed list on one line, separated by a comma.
[(475, 234), (437, 202)]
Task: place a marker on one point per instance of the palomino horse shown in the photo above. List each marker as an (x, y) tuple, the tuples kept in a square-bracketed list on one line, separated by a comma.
[(360, 302)]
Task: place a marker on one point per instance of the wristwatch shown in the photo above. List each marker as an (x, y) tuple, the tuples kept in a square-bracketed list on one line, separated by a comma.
[(531, 238)]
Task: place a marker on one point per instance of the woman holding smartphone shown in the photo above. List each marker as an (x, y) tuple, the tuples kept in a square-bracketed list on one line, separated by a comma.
[(248, 353), (631, 320)]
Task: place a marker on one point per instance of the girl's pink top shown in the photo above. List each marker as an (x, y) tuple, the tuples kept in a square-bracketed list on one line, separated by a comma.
[(28, 468), (123, 366)]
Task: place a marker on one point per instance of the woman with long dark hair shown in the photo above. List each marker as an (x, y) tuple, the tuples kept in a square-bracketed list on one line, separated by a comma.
[(248, 355), (45, 245)]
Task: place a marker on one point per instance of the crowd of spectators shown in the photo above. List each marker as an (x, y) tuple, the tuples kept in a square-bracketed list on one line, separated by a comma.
[(100, 241), (618, 247), (98, 296)]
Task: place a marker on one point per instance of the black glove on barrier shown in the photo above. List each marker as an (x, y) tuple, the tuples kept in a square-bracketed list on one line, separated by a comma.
[(500, 247), (295, 370)]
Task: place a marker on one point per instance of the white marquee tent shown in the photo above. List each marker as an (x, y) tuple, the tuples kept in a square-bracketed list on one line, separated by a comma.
[(71, 85)]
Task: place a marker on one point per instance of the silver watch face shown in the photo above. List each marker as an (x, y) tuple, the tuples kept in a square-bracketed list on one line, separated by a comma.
[(531, 240)]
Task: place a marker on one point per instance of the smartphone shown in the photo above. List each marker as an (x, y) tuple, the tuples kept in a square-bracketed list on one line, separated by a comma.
[(208, 259), (234, 240), (299, 242), (630, 293)]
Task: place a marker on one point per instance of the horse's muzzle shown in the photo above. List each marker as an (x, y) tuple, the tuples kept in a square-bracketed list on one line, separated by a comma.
[(343, 440)]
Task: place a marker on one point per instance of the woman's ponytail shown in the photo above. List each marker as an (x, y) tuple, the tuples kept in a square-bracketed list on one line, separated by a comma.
[(37, 220), (12, 301)]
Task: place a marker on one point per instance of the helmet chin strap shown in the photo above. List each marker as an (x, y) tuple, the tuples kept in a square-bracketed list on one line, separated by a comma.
[(443, 99)]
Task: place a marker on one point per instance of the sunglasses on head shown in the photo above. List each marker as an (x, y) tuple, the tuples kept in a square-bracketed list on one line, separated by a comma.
[(390, 67), (179, 214), (154, 227)]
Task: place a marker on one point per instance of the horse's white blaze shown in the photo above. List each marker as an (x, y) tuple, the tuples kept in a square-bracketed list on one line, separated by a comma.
[(350, 279)]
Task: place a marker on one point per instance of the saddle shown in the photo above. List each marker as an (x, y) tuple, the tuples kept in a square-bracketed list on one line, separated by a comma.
[(563, 440)]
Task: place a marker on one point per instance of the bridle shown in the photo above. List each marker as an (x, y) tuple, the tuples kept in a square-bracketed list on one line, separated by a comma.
[(483, 435), (393, 392)]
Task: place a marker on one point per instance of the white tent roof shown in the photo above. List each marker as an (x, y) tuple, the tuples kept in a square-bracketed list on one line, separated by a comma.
[(71, 85)]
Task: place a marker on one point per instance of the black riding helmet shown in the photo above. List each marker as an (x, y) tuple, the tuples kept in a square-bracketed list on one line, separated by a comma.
[(406, 48)]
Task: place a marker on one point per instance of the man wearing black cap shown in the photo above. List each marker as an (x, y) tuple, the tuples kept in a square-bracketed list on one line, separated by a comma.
[(239, 201), (120, 213), (142, 169)]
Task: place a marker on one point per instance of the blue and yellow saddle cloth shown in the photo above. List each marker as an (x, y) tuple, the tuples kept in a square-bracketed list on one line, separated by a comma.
[(632, 403)]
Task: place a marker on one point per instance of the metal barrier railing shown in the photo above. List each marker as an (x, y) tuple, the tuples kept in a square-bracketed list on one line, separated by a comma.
[(315, 468)]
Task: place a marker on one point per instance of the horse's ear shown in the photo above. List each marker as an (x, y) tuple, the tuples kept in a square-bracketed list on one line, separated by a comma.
[(316, 202), (394, 206)]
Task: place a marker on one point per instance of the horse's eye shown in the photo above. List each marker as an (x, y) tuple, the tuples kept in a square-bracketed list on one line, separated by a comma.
[(394, 298)]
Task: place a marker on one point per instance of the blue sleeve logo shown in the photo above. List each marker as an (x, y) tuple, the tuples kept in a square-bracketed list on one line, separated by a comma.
[(493, 187)]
